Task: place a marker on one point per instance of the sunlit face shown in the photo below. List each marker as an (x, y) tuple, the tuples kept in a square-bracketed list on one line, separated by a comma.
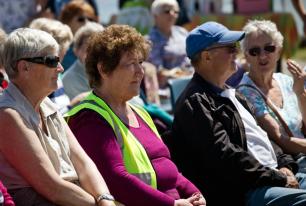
[(44, 77), (223, 59), (167, 16), (125, 80), (261, 53)]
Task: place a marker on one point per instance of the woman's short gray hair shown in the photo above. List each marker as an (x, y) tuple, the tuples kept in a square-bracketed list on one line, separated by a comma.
[(156, 7), (26, 42), (266, 27), (85, 32), (60, 32)]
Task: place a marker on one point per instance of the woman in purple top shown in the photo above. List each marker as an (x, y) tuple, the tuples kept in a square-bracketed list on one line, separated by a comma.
[(114, 67)]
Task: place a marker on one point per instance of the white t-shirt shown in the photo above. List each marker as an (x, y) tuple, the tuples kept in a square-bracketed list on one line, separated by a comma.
[(259, 145)]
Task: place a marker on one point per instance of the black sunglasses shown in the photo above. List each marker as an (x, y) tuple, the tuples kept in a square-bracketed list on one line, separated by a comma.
[(49, 61), (168, 11), (82, 19), (232, 48), (256, 51)]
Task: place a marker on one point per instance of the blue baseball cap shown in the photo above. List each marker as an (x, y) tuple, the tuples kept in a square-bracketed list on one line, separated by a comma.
[(208, 34)]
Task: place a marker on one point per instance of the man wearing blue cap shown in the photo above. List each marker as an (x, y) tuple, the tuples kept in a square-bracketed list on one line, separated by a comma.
[(217, 143)]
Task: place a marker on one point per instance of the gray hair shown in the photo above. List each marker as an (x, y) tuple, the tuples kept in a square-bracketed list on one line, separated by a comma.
[(156, 7), (26, 42), (85, 32), (266, 27), (60, 32)]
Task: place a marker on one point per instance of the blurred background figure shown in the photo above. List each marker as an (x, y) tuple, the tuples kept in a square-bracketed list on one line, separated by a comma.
[(168, 42), (75, 80), (55, 6), (18, 13), (135, 13), (75, 14), (60, 32), (120, 137)]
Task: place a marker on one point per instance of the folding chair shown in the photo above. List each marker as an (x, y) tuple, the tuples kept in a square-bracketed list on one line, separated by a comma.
[(176, 88)]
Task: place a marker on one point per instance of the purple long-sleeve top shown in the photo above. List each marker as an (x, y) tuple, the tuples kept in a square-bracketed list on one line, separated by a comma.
[(99, 141)]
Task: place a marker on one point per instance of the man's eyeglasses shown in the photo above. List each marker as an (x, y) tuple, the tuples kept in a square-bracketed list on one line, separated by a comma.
[(171, 11), (232, 48), (49, 61), (82, 19), (256, 51)]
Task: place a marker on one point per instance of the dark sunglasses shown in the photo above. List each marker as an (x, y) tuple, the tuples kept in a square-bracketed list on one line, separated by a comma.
[(82, 19), (256, 51), (232, 48), (49, 61), (169, 11)]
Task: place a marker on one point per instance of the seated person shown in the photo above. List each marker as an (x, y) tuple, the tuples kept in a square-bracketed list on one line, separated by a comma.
[(41, 162), (262, 47), (168, 42), (121, 138), (135, 13), (74, 79), (217, 143), (75, 14)]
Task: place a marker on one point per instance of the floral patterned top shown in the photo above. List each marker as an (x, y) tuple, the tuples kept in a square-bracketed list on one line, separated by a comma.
[(290, 110)]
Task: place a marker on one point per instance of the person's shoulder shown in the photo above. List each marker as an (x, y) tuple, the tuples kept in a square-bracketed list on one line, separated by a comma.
[(88, 118), (154, 34), (192, 97), (245, 79), (9, 117)]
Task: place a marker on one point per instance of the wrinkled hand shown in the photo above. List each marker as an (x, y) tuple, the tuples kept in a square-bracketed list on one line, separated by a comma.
[(197, 199), (299, 76), (182, 202), (106, 203), (291, 180)]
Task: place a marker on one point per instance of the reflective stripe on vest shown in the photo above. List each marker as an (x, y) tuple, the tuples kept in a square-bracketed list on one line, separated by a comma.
[(135, 157)]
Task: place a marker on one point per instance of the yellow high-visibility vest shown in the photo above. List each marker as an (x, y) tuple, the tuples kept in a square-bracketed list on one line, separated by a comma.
[(135, 158)]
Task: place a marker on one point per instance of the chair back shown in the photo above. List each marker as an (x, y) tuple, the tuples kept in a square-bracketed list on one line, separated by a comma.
[(176, 88)]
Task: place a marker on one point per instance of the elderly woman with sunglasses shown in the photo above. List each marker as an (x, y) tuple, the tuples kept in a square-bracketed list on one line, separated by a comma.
[(168, 41), (262, 47), (41, 162)]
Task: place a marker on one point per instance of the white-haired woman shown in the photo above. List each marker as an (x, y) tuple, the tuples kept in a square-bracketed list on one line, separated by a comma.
[(168, 41), (41, 161), (262, 48), (74, 79)]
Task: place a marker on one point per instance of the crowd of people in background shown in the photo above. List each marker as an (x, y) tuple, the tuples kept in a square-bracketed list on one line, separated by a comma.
[(81, 118)]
